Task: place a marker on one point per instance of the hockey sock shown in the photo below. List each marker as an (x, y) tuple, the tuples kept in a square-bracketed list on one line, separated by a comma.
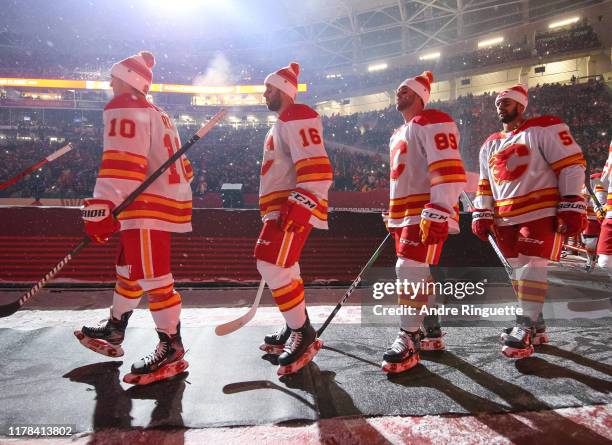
[(532, 285), (164, 302), (413, 277), (126, 296), (287, 289)]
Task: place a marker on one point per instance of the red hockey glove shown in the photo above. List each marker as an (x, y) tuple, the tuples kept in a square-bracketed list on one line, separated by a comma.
[(482, 223), (571, 215), (295, 213), (100, 223), (434, 224)]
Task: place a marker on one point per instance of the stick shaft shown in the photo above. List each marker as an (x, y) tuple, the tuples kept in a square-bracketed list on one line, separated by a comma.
[(56, 154), (492, 240), (353, 285)]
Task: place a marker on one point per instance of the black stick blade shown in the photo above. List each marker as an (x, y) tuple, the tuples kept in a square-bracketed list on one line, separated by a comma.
[(9, 309)]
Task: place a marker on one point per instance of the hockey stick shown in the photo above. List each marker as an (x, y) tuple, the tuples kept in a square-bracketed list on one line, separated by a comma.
[(53, 156), (11, 308), (234, 325), (491, 238), (353, 285)]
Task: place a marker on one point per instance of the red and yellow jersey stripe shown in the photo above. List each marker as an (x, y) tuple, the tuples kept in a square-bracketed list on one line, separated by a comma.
[(272, 202), (314, 169), (446, 171), (123, 165), (520, 205), (159, 208), (575, 159), (484, 188)]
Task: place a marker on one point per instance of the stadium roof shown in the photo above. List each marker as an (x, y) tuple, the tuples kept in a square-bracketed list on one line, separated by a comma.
[(323, 33)]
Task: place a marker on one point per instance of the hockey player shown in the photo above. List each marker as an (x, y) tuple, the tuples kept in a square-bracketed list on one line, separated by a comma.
[(604, 196), (295, 177), (529, 195), (590, 234), (427, 176), (138, 138)]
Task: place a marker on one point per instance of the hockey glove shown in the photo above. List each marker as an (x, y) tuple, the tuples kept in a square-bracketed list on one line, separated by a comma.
[(482, 223), (100, 223), (571, 215), (434, 224), (296, 212)]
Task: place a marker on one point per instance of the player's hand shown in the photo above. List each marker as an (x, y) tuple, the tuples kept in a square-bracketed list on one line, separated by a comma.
[(571, 215), (296, 212), (385, 217), (482, 223), (434, 224), (100, 223)]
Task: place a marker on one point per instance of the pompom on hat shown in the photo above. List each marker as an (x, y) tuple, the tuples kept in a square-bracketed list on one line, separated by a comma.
[(136, 71)]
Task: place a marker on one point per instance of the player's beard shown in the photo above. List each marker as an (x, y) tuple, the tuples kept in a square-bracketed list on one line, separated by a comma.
[(510, 116), (274, 103)]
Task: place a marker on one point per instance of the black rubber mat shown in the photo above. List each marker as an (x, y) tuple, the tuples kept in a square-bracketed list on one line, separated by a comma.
[(47, 377)]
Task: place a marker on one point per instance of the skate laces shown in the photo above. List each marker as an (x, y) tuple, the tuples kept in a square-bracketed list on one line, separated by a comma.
[(294, 341), (402, 342), (157, 355), (520, 332)]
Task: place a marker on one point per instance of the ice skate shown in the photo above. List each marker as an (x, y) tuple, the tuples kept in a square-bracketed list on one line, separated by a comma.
[(299, 350), (540, 337), (275, 343), (519, 342), (433, 336), (165, 362), (107, 339), (403, 353)]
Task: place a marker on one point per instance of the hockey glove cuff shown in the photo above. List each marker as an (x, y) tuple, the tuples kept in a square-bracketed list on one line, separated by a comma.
[(482, 223), (296, 212), (100, 223), (571, 215), (434, 224)]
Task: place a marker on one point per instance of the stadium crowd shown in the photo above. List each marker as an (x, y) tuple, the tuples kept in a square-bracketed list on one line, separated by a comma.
[(232, 154)]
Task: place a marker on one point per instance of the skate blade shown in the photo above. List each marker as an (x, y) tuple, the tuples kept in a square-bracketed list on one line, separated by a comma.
[(436, 344), (271, 349), (99, 346), (302, 361), (517, 353), (163, 373), (396, 368)]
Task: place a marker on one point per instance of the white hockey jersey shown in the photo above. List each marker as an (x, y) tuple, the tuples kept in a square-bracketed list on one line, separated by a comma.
[(426, 167), (295, 157), (138, 138), (603, 190), (523, 173)]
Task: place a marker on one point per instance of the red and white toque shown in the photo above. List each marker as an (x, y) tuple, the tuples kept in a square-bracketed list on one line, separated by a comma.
[(285, 79), (518, 93), (421, 85), (136, 71)]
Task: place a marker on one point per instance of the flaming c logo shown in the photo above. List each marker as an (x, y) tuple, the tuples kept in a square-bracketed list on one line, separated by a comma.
[(397, 168), (510, 163)]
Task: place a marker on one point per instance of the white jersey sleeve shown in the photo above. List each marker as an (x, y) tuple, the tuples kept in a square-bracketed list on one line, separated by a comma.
[(564, 155)]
